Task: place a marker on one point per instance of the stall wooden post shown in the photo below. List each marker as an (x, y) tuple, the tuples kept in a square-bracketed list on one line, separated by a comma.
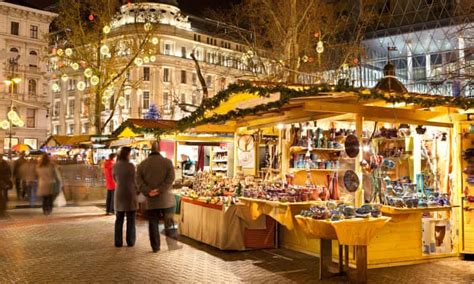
[(236, 153), (359, 194)]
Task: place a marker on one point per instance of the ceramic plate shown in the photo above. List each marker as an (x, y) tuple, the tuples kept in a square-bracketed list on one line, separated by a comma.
[(352, 146), (351, 181)]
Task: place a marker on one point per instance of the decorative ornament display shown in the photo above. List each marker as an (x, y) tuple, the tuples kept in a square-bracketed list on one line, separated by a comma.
[(138, 61), (81, 85), (94, 80), (55, 87), (106, 29), (104, 49), (68, 51), (320, 47), (64, 77), (75, 66), (155, 40), (88, 72), (5, 124)]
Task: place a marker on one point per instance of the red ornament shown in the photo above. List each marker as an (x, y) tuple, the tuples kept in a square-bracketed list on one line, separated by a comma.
[(91, 17), (356, 61), (316, 34)]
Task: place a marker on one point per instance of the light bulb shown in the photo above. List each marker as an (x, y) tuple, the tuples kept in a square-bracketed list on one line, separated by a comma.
[(60, 52), (138, 61), (94, 80), (20, 123), (366, 148), (155, 40), (105, 101), (106, 29), (75, 66), (320, 47), (127, 90), (280, 126), (88, 72), (152, 58), (5, 124), (121, 101), (68, 51), (64, 77), (146, 59), (147, 27), (81, 85), (55, 87), (104, 49)]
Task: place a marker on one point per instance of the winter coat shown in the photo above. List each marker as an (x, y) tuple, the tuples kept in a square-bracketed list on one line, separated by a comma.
[(28, 171), (125, 187), (109, 179), (47, 177), (17, 166), (5, 175), (156, 172)]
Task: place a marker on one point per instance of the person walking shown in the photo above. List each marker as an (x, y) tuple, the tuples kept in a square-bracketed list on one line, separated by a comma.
[(5, 185), (30, 179), (20, 191), (155, 176), (125, 197), (49, 182), (109, 183)]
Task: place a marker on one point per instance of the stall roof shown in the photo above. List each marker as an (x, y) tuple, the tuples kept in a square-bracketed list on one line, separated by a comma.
[(64, 140), (254, 106), (136, 127)]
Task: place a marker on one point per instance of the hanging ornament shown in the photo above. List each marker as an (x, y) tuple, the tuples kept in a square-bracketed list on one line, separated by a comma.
[(147, 27), (152, 58), (91, 17), (356, 61), (138, 61), (146, 59), (88, 72), (94, 80), (12, 115), (104, 49), (320, 47), (127, 90), (64, 77), (106, 29), (68, 51), (81, 85), (5, 124), (305, 58), (155, 40), (83, 64), (121, 101), (55, 87), (60, 52), (75, 66), (316, 34)]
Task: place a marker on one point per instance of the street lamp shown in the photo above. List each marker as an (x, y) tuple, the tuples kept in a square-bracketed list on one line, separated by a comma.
[(13, 119)]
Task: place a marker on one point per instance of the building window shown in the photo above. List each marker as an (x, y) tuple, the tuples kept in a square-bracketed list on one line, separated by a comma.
[(71, 85), (183, 52), (167, 49), (70, 129), (183, 98), (85, 128), (166, 75), (32, 142), (166, 101), (183, 76), (111, 126), (34, 31), (209, 81), (194, 99), (146, 100), (71, 107), (32, 87), (33, 60), (57, 129), (15, 88), (15, 28), (194, 79), (6, 143), (127, 102), (146, 73), (56, 108), (30, 118)]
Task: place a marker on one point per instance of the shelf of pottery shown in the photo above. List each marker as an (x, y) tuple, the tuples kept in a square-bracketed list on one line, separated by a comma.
[(220, 161)]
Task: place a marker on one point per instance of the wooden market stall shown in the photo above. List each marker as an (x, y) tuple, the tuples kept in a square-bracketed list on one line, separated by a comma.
[(426, 149)]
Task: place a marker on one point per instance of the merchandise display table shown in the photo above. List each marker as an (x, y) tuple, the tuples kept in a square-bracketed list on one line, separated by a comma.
[(282, 212), (224, 227), (357, 232)]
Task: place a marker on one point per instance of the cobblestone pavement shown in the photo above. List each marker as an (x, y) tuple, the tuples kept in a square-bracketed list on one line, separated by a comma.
[(75, 245)]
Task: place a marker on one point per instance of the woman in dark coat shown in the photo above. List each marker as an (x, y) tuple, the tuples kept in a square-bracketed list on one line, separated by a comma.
[(125, 197)]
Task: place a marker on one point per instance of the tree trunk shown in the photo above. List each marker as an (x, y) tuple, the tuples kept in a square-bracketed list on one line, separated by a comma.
[(205, 92), (97, 114)]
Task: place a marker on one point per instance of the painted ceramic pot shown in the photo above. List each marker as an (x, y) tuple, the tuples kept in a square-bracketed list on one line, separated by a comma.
[(349, 212)]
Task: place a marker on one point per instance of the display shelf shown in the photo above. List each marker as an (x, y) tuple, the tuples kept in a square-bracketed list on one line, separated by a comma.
[(219, 161), (317, 170), (219, 169), (395, 210), (296, 149)]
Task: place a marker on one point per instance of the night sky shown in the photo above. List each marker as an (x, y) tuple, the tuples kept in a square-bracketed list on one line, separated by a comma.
[(196, 7)]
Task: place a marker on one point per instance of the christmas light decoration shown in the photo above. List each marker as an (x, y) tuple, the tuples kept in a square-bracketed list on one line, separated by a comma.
[(68, 51), (75, 66), (95, 80), (64, 77), (104, 49), (88, 72), (138, 61), (155, 40), (106, 29), (81, 85)]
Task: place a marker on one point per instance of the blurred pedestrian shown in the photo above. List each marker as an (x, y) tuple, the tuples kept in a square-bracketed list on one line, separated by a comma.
[(109, 183), (155, 176), (49, 182), (125, 197), (20, 192), (30, 179), (5, 184)]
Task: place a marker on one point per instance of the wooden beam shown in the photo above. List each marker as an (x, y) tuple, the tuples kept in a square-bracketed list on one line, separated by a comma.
[(384, 113)]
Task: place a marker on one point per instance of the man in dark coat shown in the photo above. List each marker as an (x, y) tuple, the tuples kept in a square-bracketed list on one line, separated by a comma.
[(155, 176), (5, 184), (20, 193)]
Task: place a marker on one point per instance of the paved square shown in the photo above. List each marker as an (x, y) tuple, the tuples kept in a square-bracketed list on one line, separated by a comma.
[(75, 245)]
